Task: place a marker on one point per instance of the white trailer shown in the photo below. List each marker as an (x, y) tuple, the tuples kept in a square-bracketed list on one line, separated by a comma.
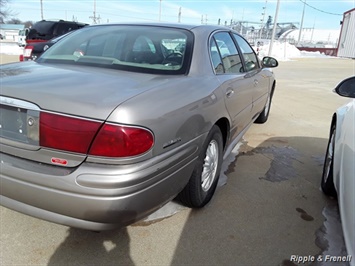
[(346, 45)]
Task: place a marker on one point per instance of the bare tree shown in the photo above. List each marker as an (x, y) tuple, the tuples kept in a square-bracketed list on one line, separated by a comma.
[(4, 12), (29, 24), (14, 21)]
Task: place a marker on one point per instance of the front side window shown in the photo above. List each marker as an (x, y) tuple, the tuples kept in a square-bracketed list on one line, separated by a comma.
[(250, 59), (223, 43), (147, 49)]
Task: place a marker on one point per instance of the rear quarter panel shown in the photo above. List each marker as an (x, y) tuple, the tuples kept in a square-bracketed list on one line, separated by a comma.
[(177, 113)]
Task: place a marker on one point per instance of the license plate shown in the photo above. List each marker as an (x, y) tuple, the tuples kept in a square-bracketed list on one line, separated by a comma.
[(19, 124), (27, 52)]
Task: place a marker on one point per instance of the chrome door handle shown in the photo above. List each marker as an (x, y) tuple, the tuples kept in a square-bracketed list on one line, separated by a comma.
[(256, 82)]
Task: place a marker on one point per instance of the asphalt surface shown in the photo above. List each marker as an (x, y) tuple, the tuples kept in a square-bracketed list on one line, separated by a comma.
[(269, 209)]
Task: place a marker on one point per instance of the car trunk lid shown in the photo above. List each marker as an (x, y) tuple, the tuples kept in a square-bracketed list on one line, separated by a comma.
[(82, 91), (33, 95)]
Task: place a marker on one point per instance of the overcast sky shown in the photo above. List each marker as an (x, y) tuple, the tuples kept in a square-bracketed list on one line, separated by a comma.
[(324, 14)]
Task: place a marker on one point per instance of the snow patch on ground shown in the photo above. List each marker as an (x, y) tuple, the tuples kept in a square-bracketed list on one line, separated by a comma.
[(284, 51), (280, 51), (10, 48)]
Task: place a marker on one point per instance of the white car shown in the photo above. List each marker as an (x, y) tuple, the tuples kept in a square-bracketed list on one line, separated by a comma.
[(339, 166)]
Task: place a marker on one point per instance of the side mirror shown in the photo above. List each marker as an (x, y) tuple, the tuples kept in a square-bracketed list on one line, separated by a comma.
[(346, 87), (269, 62)]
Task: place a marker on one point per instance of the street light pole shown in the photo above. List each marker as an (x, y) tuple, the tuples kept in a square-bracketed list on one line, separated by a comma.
[(274, 28)]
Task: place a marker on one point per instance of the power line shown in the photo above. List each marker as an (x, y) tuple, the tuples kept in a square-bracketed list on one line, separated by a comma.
[(325, 12)]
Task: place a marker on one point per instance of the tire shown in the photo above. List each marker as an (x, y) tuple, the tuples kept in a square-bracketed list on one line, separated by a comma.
[(264, 115), (327, 183), (203, 181)]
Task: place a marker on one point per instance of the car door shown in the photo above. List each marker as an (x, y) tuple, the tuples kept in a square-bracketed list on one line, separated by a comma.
[(236, 88), (259, 78)]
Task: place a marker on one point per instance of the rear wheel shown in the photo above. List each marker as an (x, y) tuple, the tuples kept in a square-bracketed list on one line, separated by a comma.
[(203, 181), (327, 176)]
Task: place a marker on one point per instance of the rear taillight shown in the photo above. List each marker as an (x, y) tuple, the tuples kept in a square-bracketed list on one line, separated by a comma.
[(66, 133), (121, 141), (73, 134), (21, 57)]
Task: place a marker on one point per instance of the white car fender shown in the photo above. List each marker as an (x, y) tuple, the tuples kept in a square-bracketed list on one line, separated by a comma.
[(344, 171), (344, 133)]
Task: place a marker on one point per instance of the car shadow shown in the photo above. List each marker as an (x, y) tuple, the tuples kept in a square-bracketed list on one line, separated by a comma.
[(269, 209), (82, 247)]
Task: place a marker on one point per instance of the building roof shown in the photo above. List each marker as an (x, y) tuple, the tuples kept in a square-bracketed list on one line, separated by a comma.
[(12, 26)]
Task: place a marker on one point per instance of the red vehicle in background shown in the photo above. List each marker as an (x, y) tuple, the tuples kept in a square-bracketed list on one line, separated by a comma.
[(39, 36), (34, 50)]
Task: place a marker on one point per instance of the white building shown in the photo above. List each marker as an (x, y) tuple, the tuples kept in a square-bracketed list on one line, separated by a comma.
[(10, 32), (346, 46)]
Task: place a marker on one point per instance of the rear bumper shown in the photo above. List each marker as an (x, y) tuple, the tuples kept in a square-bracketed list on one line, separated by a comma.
[(95, 196)]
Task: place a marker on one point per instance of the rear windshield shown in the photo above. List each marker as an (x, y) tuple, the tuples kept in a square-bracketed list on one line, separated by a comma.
[(42, 30), (148, 49)]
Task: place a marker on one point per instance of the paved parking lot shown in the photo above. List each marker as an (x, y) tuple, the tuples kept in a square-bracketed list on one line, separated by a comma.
[(270, 208)]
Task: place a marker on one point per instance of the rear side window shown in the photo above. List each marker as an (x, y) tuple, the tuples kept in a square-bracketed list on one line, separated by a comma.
[(250, 59), (42, 30), (62, 28), (228, 53)]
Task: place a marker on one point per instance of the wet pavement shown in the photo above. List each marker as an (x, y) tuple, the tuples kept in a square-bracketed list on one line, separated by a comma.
[(329, 237), (282, 159)]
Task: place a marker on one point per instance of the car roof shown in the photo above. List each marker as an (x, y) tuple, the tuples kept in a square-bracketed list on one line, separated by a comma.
[(62, 22), (170, 25)]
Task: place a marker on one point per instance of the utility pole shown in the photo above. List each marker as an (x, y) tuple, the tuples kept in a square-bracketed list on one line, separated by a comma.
[(262, 19), (160, 11), (314, 24), (179, 16), (301, 26), (42, 9), (95, 19), (274, 28)]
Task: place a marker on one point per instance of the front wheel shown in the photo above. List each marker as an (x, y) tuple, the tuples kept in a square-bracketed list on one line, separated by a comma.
[(203, 181), (264, 115), (327, 183)]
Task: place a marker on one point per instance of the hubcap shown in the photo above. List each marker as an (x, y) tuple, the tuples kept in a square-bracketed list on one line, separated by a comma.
[(329, 158), (210, 166)]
